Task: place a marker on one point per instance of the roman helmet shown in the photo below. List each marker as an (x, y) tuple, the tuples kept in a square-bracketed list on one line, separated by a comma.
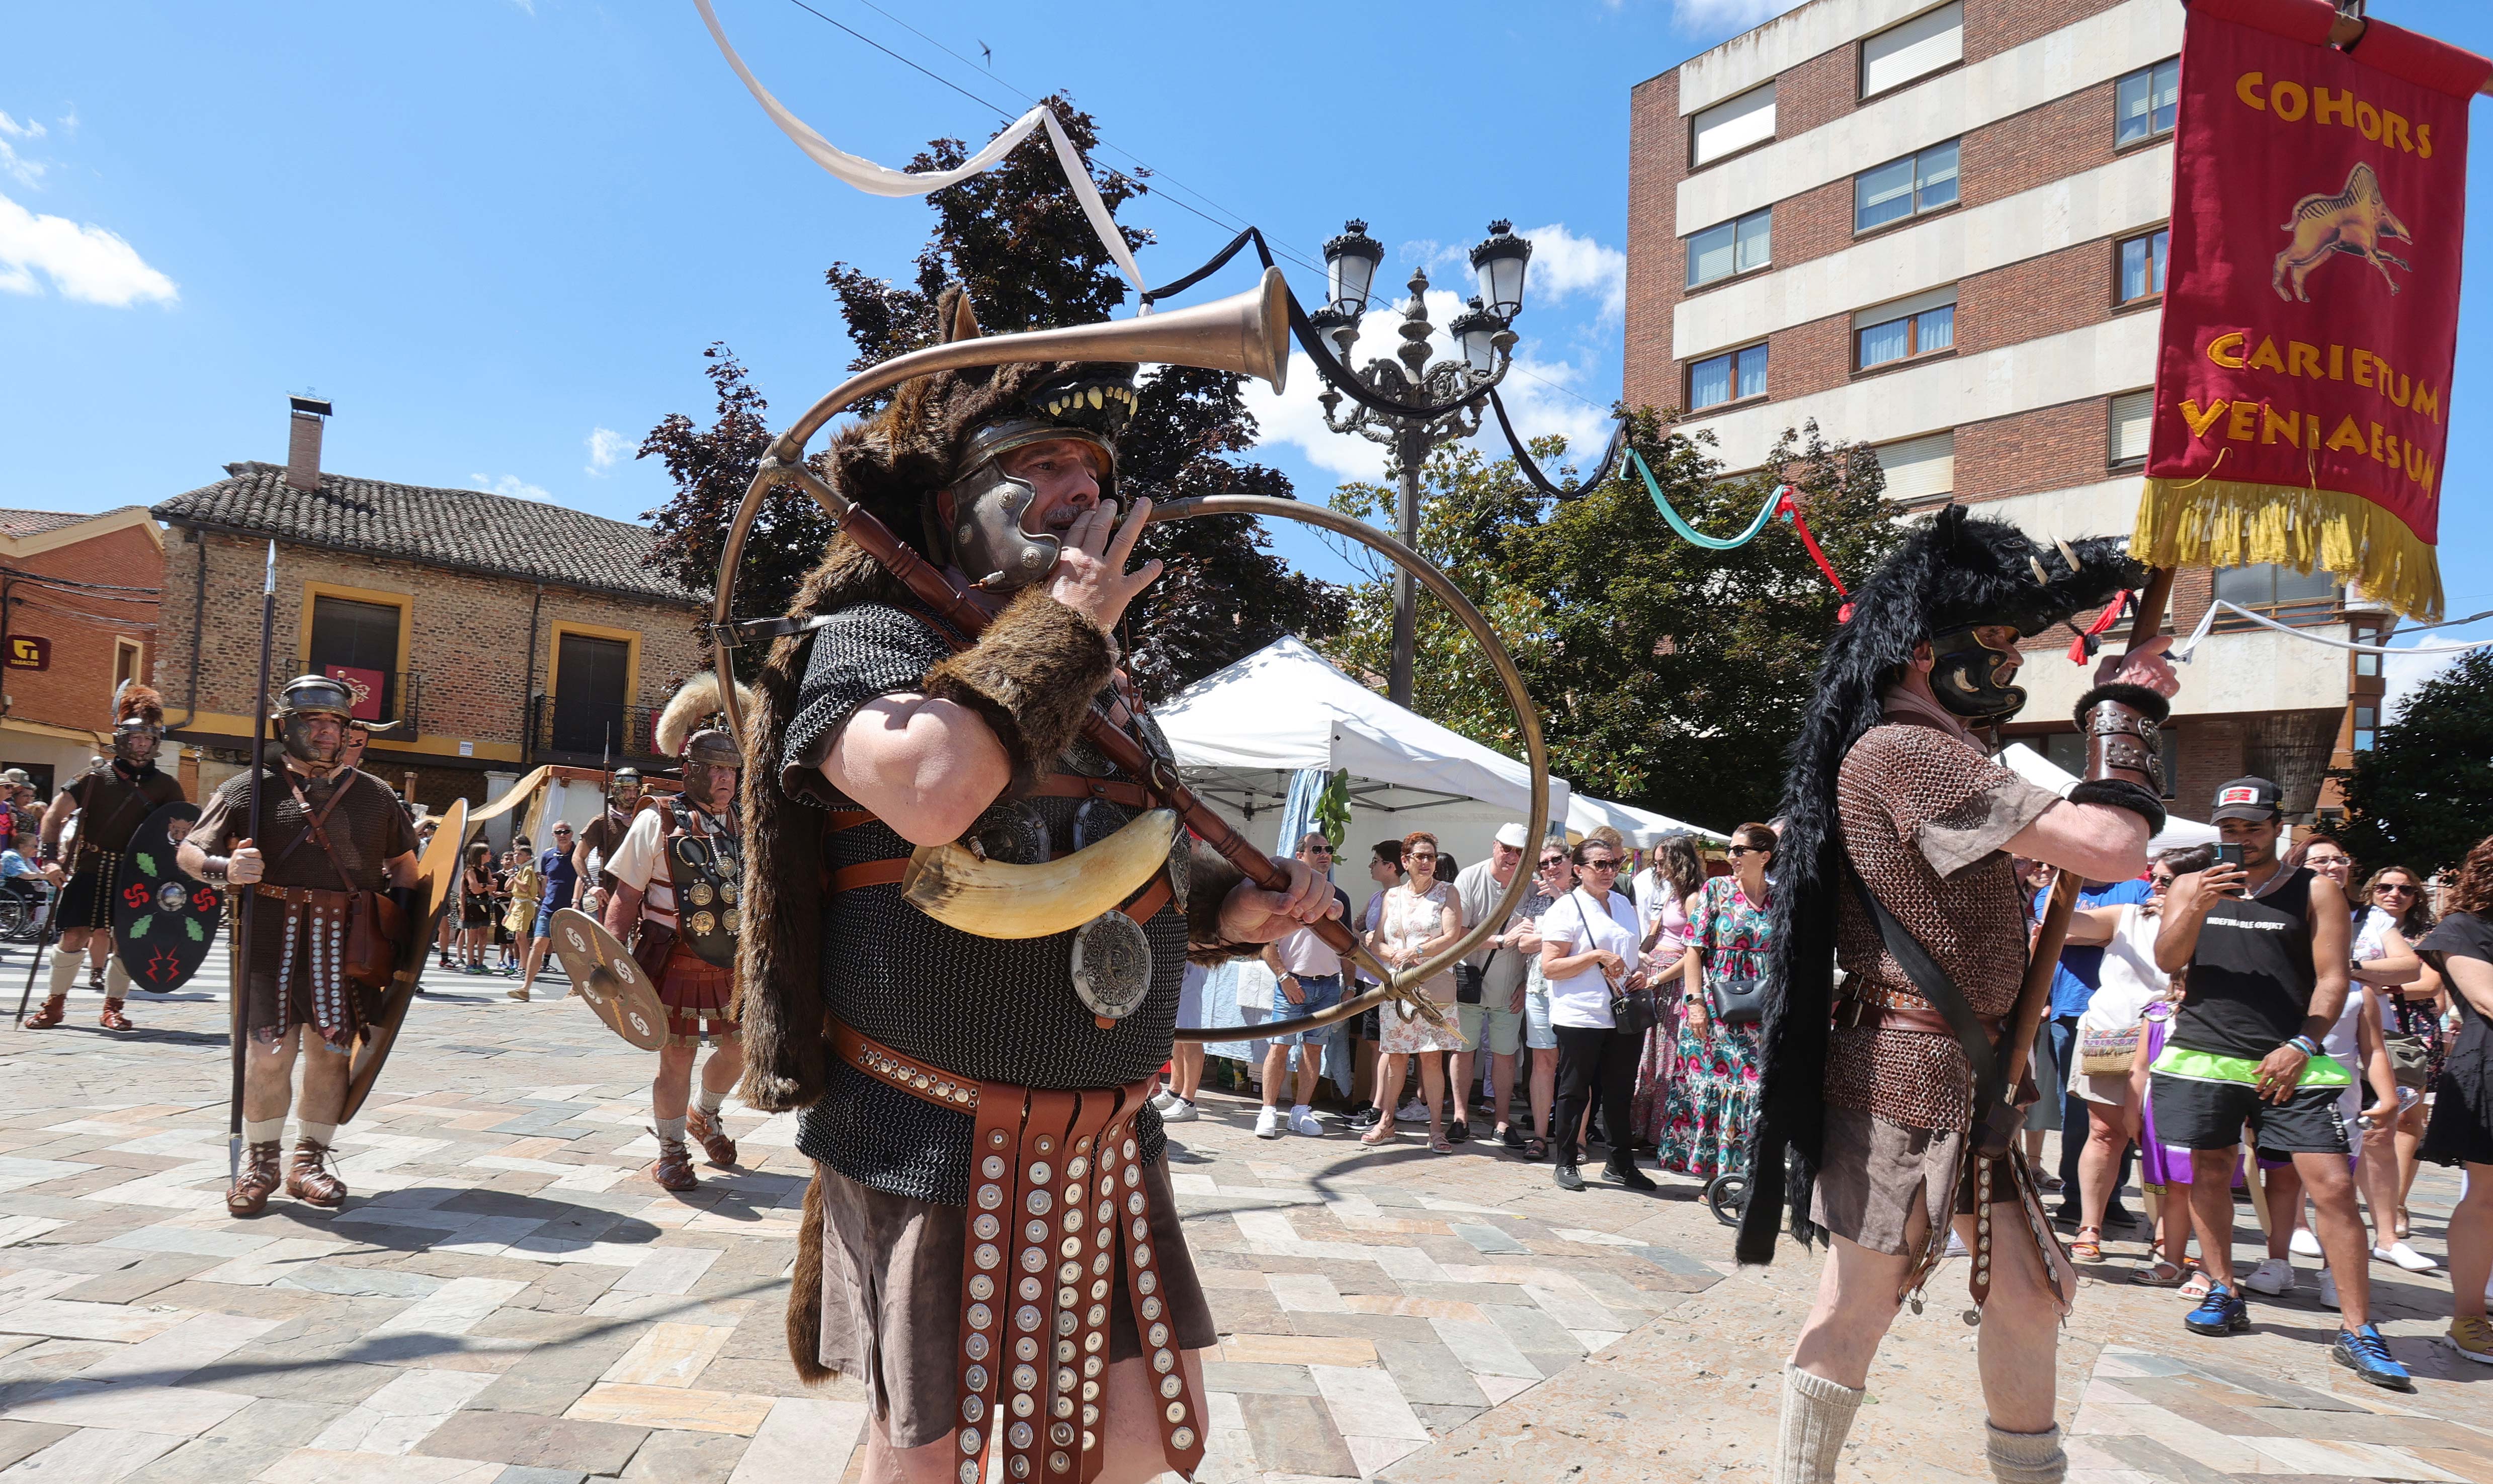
[(303, 698), (930, 465), (624, 786), (693, 727), (138, 724)]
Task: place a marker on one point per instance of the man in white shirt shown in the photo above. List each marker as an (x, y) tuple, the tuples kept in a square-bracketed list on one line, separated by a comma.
[(1309, 979), (1499, 1025)]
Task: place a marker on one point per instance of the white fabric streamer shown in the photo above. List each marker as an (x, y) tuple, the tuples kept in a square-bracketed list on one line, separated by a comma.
[(2180, 653), (882, 180)]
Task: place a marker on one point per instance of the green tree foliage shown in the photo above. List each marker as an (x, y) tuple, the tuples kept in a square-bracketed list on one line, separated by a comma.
[(1016, 237), (2423, 795), (1668, 675)]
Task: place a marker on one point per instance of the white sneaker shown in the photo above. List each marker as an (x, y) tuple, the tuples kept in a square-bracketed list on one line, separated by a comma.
[(1178, 1110), (2273, 1275), (1412, 1112), (2328, 1288), (1267, 1123), (2403, 1255), (1302, 1121), (2302, 1244), (1162, 1099)]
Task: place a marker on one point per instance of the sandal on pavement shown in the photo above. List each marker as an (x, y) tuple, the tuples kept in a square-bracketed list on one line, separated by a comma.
[(711, 1135), (55, 1010), (1536, 1148), (2158, 1275), (112, 1018), (1382, 1133), (2086, 1249), (1437, 1145), (2197, 1287)]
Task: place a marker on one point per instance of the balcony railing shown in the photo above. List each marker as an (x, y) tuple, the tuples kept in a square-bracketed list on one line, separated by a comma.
[(593, 734)]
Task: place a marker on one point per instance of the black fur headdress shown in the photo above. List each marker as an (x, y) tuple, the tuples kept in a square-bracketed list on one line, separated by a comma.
[(1954, 572)]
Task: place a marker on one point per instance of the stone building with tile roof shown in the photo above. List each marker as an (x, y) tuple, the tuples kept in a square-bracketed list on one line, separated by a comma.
[(498, 632)]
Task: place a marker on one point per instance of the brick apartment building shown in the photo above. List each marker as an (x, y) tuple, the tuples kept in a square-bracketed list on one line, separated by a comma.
[(1940, 229), (77, 616), (501, 633)]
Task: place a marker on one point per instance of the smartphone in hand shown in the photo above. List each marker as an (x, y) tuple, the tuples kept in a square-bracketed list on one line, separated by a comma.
[(2229, 854)]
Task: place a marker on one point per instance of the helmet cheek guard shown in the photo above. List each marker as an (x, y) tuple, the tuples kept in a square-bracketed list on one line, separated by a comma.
[(305, 698), (1969, 677), (988, 506), (136, 742)]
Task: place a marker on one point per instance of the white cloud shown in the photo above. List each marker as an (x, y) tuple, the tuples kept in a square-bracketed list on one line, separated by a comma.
[(606, 447), (511, 485), (84, 262), (1565, 266), (2402, 670), (27, 172)]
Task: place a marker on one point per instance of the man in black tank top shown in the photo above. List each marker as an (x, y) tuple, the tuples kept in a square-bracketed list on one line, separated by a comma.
[(2265, 948)]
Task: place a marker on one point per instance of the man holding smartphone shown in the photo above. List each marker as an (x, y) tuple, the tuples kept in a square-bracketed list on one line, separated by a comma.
[(2265, 950)]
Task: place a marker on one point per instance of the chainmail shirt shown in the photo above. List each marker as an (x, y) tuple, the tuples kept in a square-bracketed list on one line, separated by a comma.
[(112, 804), (994, 1009), (1923, 817)]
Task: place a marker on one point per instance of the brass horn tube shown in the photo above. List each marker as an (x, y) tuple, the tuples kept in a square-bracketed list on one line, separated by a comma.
[(1247, 332), (1536, 750)]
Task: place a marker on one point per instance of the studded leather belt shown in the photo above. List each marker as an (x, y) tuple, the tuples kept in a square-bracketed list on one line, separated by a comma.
[(1872, 1015), (1056, 1179)]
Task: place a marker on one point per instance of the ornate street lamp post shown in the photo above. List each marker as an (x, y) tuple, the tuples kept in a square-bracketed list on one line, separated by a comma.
[(1438, 403)]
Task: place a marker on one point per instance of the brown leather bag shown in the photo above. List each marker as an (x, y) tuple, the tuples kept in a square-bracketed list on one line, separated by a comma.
[(376, 925)]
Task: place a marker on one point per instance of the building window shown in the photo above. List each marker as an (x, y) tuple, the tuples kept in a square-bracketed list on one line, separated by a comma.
[(1731, 376), (1917, 48), (2367, 724), (2141, 265), (2133, 417), (2147, 100), (358, 643), (1734, 246), (2282, 593), (2367, 666), (1905, 188), (1920, 470), (124, 663), (1731, 126), (592, 679), (1911, 327)]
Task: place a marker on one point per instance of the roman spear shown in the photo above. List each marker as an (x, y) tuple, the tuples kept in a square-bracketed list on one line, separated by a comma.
[(240, 994)]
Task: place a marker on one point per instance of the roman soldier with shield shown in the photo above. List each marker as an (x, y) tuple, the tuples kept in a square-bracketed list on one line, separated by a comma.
[(109, 801), (332, 839), (600, 837), (674, 888)]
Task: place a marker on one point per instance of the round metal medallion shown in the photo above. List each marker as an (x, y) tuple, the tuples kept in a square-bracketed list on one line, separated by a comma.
[(1012, 832), (701, 894), (728, 919), (1095, 820), (704, 925), (1112, 965)]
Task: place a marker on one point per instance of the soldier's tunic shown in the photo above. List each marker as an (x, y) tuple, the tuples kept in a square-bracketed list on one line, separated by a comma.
[(695, 992), (297, 936), (896, 1168), (1923, 817), (112, 800)]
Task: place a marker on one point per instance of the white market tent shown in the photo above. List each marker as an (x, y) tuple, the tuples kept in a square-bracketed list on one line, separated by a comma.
[(1241, 732), (2037, 769), (1640, 828)]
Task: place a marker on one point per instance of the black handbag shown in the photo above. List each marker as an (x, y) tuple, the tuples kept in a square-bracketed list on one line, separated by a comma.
[(1728, 1001), (1633, 1012), (1467, 985)]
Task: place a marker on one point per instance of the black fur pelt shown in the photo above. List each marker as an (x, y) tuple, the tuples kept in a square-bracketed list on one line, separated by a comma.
[(1953, 571)]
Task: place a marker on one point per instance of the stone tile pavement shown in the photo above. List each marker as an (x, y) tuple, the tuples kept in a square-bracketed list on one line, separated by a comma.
[(506, 1300)]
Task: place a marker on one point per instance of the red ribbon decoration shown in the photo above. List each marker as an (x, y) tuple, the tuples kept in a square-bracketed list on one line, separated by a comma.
[(1789, 510)]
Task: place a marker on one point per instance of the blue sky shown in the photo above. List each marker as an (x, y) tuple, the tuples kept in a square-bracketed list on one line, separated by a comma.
[(499, 232)]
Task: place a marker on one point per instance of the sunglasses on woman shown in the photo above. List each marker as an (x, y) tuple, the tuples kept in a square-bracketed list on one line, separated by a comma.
[(1554, 863), (1600, 866), (1736, 851), (2390, 886)]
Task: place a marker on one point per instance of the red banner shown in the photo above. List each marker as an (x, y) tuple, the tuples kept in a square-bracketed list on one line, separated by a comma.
[(366, 684), (2311, 305)]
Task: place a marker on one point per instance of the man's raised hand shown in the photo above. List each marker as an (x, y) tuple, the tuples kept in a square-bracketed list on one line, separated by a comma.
[(1089, 574)]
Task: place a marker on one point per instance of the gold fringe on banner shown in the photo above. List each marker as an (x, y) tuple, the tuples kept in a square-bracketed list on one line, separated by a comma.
[(2216, 522)]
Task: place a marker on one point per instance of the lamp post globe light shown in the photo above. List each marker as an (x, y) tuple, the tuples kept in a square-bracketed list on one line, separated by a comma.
[(1443, 401)]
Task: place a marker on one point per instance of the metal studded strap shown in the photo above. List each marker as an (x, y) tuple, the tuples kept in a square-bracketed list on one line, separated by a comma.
[(1181, 1407), (1038, 1324), (996, 1150)]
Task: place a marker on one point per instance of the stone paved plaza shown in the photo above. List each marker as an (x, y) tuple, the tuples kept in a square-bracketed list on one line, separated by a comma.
[(506, 1300)]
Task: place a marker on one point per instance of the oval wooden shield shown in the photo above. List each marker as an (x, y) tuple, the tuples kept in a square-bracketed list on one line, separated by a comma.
[(163, 922), (437, 870), (608, 977)]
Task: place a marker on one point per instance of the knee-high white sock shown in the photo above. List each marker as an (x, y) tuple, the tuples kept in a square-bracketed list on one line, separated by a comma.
[(1817, 1413), (116, 980), (710, 1102), (264, 1130), (2026, 1458), (322, 1134), (670, 1130), (65, 971)]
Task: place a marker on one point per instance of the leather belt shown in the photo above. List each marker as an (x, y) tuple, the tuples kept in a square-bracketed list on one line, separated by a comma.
[(1921, 1019), (1055, 1178), (302, 896)]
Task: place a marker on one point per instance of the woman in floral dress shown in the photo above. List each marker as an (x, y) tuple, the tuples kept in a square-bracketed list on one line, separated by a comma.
[(1714, 1093), (1420, 916), (1678, 874)]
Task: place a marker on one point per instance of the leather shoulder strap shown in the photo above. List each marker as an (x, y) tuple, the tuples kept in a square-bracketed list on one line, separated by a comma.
[(1940, 991)]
